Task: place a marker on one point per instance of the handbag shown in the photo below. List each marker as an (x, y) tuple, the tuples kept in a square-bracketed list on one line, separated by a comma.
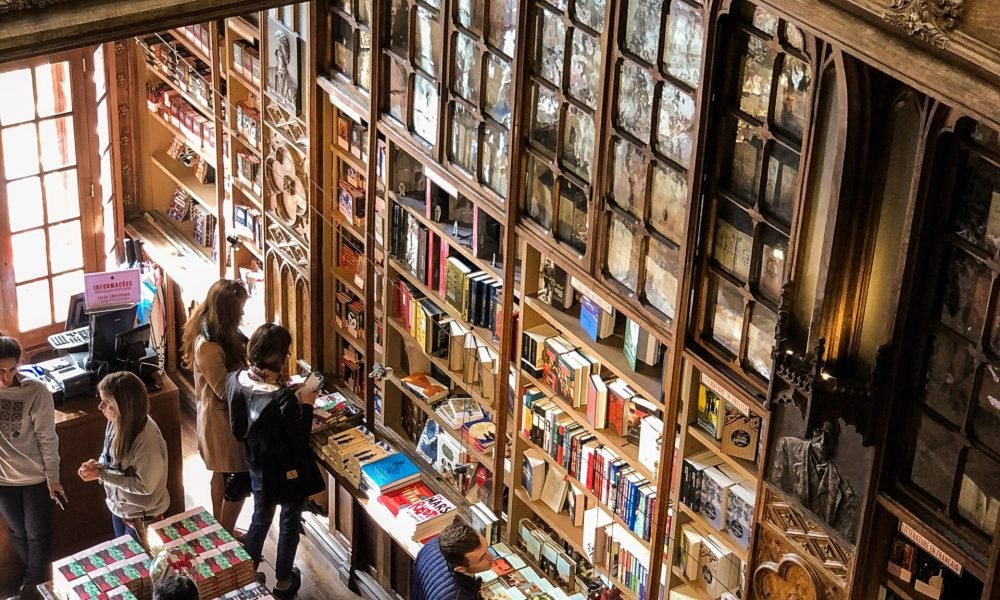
[(236, 486)]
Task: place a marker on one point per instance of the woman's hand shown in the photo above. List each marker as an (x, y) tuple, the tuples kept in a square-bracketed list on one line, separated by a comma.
[(90, 470), (307, 396)]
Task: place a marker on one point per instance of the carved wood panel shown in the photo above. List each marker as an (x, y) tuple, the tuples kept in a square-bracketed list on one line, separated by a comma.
[(784, 572)]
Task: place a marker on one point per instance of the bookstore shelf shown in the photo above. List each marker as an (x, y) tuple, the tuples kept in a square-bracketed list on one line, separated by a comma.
[(206, 153), (350, 339), (204, 109), (485, 335), (608, 351), (240, 78), (180, 260), (191, 47), (440, 363), (346, 276), (483, 458), (619, 444), (694, 587), (593, 500), (626, 593), (249, 193), (731, 544), (746, 468), (244, 142), (252, 248), (349, 158), (345, 223), (246, 30), (416, 207), (753, 400), (344, 100), (204, 193), (560, 522)]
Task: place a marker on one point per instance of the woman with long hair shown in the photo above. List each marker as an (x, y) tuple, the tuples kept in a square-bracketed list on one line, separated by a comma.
[(212, 347), (274, 421), (133, 463)]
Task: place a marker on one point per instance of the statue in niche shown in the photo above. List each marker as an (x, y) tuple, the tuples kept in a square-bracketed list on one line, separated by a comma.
[(804, 468)]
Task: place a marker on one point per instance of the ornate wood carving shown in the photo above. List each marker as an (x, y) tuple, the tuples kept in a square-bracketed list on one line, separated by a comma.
[(784, 570), (12, 5), (791, 579), (287, 196), (928, 20), (123, 70), (807, 535)]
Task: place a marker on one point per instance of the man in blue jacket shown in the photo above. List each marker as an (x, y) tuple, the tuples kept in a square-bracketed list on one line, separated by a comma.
[(445, 568)]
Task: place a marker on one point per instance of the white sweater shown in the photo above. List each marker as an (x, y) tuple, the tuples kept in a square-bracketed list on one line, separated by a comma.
[(29, 448)]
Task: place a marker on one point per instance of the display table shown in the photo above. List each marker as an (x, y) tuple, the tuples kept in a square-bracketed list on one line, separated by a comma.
[(86, 520)]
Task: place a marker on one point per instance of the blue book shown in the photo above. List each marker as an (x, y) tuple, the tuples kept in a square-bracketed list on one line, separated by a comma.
[(391, 472), (590, 317)]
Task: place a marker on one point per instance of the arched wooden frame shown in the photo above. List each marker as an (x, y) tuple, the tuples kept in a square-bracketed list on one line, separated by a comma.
[(790, 579)]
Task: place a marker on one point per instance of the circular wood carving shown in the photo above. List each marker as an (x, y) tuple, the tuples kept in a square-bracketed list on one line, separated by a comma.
[(285, 185), (791, 579)]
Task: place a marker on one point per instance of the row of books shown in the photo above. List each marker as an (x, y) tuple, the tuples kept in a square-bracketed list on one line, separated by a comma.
[(174, 62), (469, 360), (554, 557), (116, 569), (352, 137), (623, 560), (472, 292), (350, 313), (351, 200), (248, 122), (457, 412), (705, 561), (719, 493), (248, 170), (449, 455), (248, 222), (512, 578), (198, 131), (200, 168), (198, 35), (913, 566), (246, 61), (205, 226)]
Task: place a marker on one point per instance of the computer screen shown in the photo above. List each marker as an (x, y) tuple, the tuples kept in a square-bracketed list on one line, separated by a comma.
[(105, 328), (77, 314), (131, 345)]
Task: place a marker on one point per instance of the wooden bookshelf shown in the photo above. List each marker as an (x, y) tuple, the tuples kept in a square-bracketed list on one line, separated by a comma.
[(559, 522), (204, 193), (727, 538)]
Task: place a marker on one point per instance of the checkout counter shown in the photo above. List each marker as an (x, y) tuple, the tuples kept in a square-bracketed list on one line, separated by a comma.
[(86, 520)]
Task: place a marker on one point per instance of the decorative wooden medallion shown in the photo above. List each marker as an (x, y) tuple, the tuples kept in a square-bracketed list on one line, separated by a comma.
[(790, 579)]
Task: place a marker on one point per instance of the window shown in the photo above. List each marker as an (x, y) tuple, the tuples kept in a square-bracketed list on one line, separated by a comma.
[(350, 45), (564, 93), (954, 458), (55, 185), (762, 117), (657, 73), (413, 54), (483, 41)]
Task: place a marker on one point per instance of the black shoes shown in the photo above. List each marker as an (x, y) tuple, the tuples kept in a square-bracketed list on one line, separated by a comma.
[(296, 582)]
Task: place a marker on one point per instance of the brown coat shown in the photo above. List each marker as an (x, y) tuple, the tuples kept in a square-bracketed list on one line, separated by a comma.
[(218, 447)]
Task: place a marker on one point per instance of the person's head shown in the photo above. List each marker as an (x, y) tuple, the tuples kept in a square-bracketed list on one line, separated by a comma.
[(269, 347), (218, 319), (125, 404), (10, 356), (824, 439), (175, 587), (283, 50), (464, 549)]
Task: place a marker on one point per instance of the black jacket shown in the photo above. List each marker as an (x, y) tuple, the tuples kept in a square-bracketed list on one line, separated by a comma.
[(433, 579), (274, 428)]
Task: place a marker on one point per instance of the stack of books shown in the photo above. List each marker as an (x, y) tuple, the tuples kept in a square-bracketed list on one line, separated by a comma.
[(219, 562), (334, 413), (254, 591), (426, 518), (388, 473), (405, 496), (115, 569), (704, 557), (485, 521), (480, 434)]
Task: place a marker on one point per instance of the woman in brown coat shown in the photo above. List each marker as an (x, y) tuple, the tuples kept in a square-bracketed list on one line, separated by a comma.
[(213, 346)]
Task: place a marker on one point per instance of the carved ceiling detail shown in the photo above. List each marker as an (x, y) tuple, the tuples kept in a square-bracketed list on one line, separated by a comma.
[(928, 20), (12, 5)]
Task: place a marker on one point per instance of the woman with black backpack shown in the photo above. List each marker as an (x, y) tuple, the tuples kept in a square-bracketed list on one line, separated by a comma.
[(274, 420)]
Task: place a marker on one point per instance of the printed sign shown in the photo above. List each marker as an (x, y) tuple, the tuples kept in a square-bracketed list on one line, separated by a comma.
[(930, 548), (731, 399), (111, 289)]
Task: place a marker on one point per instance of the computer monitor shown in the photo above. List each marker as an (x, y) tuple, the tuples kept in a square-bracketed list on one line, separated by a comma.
[(104, 330), (131, 345), (77, 314)]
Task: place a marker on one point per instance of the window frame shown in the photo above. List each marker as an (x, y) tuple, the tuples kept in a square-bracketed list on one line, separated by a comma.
[(84, 112)]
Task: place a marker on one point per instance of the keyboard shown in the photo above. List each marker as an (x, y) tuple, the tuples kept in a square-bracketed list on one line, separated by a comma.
[(70, 339)]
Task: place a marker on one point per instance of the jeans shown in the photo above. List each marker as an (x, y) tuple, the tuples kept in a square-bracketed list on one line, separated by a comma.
[(121, 527), (288, 530), (28, 512)]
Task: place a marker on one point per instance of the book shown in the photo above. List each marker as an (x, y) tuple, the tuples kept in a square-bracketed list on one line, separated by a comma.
[(457, 333), (396, 499), (619, 395), (533, 346), (739, 512), (690, 550), (638, 409), (710, 405), (533, 473), (928, 575), (576, 505), (597, 323), (425, 386), (557, 288), (425, 518), (597, 402), (485, 521), (720, 567), (388, 473), (650, 437), (555, 488), (692, 473), (901, 558), (714, 496), (640, 346), (741, 434)]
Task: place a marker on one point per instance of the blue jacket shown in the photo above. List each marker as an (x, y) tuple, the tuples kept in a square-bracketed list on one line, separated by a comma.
[(433, 579)]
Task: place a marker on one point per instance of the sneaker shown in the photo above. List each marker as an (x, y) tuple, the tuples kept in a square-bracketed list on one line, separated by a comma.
[(295, 579), (261, 578)]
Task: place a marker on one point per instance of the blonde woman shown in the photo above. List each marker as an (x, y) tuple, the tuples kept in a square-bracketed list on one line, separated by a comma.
[(212, 347), (133, 464)]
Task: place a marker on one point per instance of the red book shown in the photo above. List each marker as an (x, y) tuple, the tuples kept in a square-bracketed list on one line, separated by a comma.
[(616, 412), (397, 499)]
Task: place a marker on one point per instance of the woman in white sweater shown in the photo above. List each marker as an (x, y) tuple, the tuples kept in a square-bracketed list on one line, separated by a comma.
[(133, 464)]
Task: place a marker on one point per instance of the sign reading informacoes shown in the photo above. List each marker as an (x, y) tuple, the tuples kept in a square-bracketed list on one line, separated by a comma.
[(111, 289)]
